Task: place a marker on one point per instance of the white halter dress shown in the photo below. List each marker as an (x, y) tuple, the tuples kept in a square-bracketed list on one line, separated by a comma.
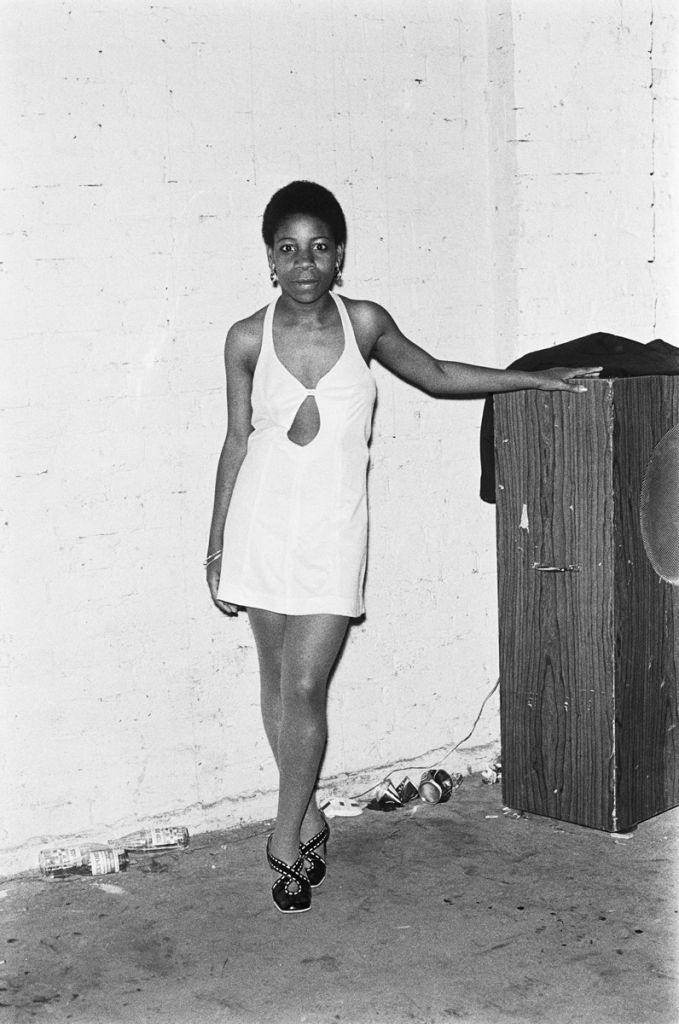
[(296, 532)]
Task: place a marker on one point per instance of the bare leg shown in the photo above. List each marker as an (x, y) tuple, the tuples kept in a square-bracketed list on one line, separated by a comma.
[(269, 632), (311, 646), (297, 653)]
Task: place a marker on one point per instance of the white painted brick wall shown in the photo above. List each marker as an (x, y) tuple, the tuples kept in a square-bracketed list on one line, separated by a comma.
[(144, 141), (595, 100)]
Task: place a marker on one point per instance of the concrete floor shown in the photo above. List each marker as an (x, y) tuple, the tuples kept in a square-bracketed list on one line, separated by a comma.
[(440, 913)]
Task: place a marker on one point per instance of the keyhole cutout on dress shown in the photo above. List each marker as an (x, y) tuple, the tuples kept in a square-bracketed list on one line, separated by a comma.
[(306, 424)]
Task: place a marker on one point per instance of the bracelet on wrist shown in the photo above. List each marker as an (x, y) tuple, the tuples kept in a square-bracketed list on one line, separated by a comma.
[(213, 557)]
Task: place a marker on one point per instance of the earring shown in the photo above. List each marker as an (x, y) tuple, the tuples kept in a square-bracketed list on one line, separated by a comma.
[(338, 275), (274, 279)]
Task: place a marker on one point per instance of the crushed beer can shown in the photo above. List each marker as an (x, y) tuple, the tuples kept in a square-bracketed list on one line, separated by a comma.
[(492, 773)]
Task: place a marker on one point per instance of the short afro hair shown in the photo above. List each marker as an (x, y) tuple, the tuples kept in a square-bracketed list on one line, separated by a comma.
[(308, 198)]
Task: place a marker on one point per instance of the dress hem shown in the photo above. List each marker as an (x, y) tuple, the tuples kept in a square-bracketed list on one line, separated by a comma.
[(315, 606)]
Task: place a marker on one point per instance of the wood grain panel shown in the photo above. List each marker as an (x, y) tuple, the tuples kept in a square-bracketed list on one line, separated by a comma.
[(646, 615), (555, 511), (589, 651)]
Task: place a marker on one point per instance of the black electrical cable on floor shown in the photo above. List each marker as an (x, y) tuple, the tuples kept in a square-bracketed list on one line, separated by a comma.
[(437, 764)]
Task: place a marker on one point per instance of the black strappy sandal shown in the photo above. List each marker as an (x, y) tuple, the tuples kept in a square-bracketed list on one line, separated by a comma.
[(315, 865), (286, 900)]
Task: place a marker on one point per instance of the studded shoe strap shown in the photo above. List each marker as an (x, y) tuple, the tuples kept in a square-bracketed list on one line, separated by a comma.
[(289, 872), (307, 849)]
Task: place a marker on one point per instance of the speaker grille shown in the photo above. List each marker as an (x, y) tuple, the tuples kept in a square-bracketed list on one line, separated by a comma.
[(659, 507)]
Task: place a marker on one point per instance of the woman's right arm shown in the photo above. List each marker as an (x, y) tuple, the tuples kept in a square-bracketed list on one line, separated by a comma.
[(240, 356)]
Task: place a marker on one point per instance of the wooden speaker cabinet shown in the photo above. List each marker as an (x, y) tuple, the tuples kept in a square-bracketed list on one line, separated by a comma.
[(587, 490)]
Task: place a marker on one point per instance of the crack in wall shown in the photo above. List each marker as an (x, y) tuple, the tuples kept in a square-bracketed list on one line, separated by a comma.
[(653, 154), (503, 174)]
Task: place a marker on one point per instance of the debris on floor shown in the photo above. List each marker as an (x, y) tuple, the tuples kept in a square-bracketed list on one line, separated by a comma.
[(435, 787), (492, 773), (509, 812), (169, 837), (114, 890), (339, 807), (87, 859), (110, 857)]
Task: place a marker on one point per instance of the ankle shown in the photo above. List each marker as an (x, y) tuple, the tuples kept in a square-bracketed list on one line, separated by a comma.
[(284, 847)]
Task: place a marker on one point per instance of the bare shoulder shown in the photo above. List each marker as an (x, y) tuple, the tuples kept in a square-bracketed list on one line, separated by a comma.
[(369, 320), (244, 338)]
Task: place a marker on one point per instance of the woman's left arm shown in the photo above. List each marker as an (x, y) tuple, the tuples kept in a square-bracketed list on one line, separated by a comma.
[(443, 378)]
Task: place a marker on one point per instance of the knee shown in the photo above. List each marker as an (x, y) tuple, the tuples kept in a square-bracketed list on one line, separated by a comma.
[(305, 691)]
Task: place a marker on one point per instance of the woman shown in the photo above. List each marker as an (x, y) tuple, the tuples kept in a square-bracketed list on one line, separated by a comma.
[(289, 527)]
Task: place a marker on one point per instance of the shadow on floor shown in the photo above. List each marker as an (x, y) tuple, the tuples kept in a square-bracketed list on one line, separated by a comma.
[(430, 914)]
